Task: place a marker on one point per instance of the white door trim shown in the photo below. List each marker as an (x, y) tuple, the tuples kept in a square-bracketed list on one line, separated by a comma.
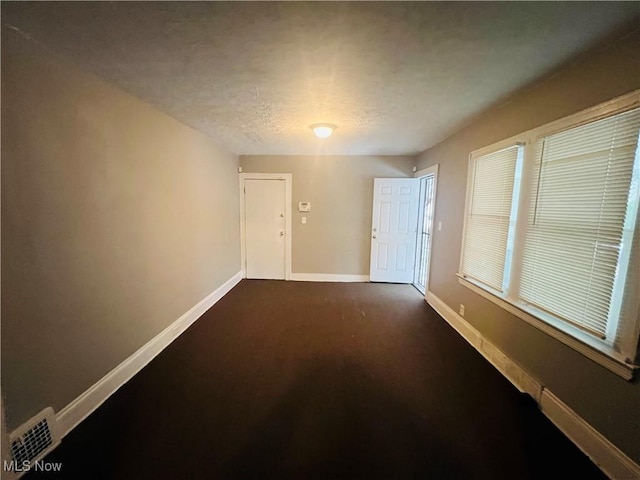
[(432, 170), (288, 178)]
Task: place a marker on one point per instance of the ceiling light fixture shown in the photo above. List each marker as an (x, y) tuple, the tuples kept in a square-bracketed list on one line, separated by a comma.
[(322, 130)]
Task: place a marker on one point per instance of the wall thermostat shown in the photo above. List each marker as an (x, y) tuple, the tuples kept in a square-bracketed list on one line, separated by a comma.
[(304, 206)]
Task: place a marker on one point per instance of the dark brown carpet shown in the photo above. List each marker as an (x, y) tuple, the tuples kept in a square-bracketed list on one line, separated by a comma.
[(318, 380)]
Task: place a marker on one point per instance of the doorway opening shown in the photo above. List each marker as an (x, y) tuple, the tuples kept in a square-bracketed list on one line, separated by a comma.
[(428, 179)]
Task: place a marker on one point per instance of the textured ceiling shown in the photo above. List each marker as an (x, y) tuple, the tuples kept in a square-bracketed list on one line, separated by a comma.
[(396, 77)]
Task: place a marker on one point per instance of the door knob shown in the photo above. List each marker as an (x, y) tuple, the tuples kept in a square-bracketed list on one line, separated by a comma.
[(373, 236), (282, 234)]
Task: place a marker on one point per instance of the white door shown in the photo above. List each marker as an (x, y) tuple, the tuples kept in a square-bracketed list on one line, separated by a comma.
[(394, 229), (265, 222)]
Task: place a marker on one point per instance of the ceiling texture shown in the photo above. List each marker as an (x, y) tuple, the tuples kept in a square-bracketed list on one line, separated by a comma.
[(395, 77)]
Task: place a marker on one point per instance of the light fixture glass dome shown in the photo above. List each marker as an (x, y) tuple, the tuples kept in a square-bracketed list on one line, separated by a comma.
[(322, 130)]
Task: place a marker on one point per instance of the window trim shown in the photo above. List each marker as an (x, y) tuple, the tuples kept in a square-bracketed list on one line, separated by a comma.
[(513, 215), (569, 335), (578, 340)]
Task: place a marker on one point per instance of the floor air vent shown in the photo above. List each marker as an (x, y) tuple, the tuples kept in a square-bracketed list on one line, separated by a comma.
[(34, 439)]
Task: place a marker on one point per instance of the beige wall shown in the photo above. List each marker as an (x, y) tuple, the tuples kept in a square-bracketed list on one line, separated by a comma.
[(336, 238), (605, 400), (5, 446), (116, 220)]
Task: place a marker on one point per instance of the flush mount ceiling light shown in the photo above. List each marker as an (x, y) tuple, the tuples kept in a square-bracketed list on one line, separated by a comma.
[(322, 130)]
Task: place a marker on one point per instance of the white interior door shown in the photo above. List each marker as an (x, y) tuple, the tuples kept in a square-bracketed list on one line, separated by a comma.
[(265, 228), (394, 229)]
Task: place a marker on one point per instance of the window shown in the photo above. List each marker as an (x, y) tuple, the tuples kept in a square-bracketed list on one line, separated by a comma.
[(489, 217), (550, 223)]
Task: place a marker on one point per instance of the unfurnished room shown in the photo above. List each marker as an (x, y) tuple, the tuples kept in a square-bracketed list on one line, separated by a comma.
[(326, 240)]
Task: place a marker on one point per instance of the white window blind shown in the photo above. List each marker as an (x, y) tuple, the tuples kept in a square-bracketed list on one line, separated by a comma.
[(489, 217), (572, 265)]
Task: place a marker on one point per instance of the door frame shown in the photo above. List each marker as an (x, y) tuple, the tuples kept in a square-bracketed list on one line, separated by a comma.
[(287, 177), (432, 170)]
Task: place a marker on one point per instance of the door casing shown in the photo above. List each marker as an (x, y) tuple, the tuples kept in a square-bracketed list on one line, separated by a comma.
[(433, 170), (287, 177)]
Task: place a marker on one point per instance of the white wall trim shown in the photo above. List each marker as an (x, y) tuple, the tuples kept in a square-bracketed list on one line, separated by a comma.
[(80, 408), (615, 356), (328, 277), (432, 170), (288, 180), (611, 460), (624, 102), (601, 451), (578, 340), (514, 373)]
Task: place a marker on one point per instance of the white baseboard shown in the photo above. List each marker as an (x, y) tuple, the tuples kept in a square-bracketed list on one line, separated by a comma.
[(601, 451), (80, 408), (328, 277), (514, 373)]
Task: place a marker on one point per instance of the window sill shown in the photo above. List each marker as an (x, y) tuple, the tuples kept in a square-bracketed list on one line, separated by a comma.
[(579, 341)]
